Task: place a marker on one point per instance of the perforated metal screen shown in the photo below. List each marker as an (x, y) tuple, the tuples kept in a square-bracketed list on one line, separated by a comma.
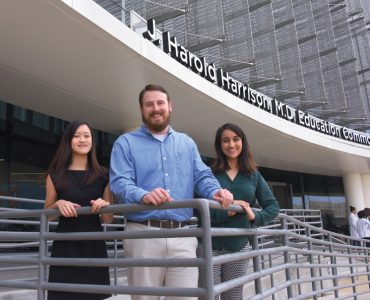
[(313, 55)]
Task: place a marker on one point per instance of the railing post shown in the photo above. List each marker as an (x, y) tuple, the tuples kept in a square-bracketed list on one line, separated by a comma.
[(288, 275), (207, 248), (351, 268), (298, 275), (333, 262), (312, 270), (366, 252), (115, 247), (271, 276), (320, 271), (256, 265), (43, 251)]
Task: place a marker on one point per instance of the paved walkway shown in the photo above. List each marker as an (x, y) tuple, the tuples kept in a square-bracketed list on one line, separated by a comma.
[(365, 289), (8, 294)]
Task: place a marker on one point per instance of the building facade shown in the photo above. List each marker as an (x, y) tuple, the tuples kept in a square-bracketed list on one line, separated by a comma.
[(311, 55), (29, 140)]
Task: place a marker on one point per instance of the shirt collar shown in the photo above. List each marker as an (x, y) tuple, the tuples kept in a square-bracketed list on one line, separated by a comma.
[(145, 130)]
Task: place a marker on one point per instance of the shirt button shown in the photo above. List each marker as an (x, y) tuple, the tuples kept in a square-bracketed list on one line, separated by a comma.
[(166, 174), (164, 158)]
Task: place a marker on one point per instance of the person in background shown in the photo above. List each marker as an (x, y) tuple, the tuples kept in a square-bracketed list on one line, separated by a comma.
[(154, 165), (76, 179), (367, 211), (236, 170), (352, 221), (363, 226)]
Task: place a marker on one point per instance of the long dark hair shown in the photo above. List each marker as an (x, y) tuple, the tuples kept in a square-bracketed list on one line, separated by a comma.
[(246, 163), (63, 158)]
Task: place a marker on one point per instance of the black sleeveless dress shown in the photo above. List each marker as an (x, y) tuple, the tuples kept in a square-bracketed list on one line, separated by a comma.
[(79, 192)]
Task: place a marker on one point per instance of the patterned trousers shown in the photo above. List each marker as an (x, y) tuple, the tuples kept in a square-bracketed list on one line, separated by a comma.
[(223, 273)]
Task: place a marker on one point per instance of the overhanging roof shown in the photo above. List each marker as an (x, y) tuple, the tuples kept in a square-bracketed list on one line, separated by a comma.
[(72, 60)]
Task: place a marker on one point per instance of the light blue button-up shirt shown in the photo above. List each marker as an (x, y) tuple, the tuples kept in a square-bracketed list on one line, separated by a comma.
[(141, 163)]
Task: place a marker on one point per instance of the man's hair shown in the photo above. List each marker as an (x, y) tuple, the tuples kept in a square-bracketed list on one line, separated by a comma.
[(367, 211), (361, 214), (152, 87)]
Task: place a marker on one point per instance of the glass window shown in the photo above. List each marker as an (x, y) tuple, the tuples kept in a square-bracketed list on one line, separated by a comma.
[(2, 110), (105, 147), (297, 202), (59, 126), (26, 181), (333, 211), (3, 165), (273, 175), (40, 120), (20, 113), (28, 164), (283, 193), (111, 138)]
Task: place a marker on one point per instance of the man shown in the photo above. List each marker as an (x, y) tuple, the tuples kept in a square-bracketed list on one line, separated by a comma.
[(154, 165), (363, 226), (352, 221)]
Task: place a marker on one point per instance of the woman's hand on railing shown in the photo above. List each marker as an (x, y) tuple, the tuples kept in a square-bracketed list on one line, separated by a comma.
[(247, 208), (67, 208), (98, 204)]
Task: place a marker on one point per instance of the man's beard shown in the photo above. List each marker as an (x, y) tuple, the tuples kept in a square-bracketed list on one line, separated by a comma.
[(156, 127)]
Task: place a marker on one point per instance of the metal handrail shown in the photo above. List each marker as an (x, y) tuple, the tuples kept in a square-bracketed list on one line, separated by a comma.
[(288, 257)]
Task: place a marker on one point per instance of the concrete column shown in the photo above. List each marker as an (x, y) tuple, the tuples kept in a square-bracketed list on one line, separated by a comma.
[(353, 189), (366, 188)]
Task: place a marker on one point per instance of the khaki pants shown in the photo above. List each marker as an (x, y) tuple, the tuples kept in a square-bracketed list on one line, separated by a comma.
[(160, 276)]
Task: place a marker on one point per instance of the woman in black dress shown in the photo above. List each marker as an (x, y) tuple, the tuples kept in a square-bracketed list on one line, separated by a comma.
[(76, 179)]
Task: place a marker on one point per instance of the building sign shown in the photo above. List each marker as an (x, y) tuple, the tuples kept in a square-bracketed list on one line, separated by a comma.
[(221, 78)]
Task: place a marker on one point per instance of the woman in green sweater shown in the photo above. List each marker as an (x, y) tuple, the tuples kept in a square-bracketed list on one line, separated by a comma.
[(236, 171)]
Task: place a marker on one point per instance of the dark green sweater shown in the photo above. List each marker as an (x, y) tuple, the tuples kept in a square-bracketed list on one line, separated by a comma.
[(249, 189)]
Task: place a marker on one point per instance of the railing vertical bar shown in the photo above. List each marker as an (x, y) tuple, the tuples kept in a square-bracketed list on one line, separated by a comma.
[(271, 276), (320, 272), (256, 265), (43, 251), (288, 275), (334, 268), (207, 248), (311, 259), (352, 269), (115, 268), (367, 263), (298, 275)]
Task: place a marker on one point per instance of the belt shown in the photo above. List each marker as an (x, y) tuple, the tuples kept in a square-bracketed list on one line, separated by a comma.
[(166, 224)]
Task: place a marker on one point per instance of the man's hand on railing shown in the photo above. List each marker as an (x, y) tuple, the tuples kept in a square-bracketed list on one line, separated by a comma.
[(225, 197), (157, 197)]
